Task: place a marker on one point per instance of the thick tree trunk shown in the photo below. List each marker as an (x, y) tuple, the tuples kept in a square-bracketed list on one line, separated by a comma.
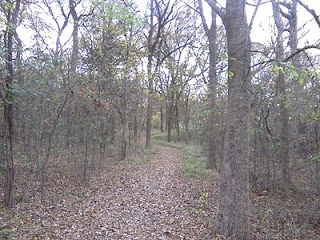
[(234, 192)]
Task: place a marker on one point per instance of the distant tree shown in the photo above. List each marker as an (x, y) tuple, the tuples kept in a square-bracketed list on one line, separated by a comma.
[(161, 14), (111, 54)]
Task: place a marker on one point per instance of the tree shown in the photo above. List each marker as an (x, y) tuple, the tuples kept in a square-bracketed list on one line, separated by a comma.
[(212, 87), (74, 61), (112, 53), (284, 117), (161, 13), (12, 11), (176, 57), (234, 189)]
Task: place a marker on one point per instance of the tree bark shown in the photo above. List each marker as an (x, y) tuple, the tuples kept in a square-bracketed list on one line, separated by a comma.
[(161, 116), (234, 189), (73, 66), (170, 111), (187, 117), (113, 127), (125, 137), (300, 139), (151, 49), (150, 102), (212, 87), (8, 101), (284, 116)]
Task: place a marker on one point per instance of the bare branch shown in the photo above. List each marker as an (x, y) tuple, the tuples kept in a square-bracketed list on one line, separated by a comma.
[(254, 15), (311, 11), (205, 25), (299, 50), (219, 10)]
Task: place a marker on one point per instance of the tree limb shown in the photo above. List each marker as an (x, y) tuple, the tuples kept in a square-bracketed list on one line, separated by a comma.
[(311, 11), (219, 10), (254, 15), (205, 25)]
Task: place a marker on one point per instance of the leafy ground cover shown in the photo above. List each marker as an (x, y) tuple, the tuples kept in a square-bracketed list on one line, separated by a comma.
[(164, 193), (149, 200)]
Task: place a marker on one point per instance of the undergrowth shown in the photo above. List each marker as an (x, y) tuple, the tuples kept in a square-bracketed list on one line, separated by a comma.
[(142, 157), (195, 164)]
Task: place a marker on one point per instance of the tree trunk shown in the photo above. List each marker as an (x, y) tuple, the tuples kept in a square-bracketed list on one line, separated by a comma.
[(161, 116), (212, 87), (176, 110), (234, 189), (136, 128), (151, 49), (170, 111), (150, 103), (300, 139), (187, 118), (85, 161), (113, 127), (284, 116), (8, 101), (124, 136), (8, 136), (73, 66)]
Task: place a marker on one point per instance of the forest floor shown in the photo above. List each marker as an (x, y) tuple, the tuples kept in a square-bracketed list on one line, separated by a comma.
[(164, 193), (152, 200)]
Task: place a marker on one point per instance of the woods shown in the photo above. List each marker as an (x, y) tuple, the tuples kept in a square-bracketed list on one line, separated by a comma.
[(87, 86)]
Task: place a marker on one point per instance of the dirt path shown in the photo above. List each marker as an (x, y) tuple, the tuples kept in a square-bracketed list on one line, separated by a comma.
[(149, 201)]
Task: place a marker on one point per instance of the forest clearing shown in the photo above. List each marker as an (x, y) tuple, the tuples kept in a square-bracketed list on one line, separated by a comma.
[(160, 119)]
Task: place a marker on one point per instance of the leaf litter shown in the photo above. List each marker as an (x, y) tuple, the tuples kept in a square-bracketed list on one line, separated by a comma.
[(124, 201)]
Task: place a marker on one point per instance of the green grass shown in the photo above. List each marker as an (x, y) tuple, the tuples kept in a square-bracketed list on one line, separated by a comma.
[(195, 165), (139, 160), (179, 146), (143, 157), (5, 231)]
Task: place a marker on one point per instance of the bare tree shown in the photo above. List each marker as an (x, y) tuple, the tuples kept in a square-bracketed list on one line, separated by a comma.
[(161, 13)]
